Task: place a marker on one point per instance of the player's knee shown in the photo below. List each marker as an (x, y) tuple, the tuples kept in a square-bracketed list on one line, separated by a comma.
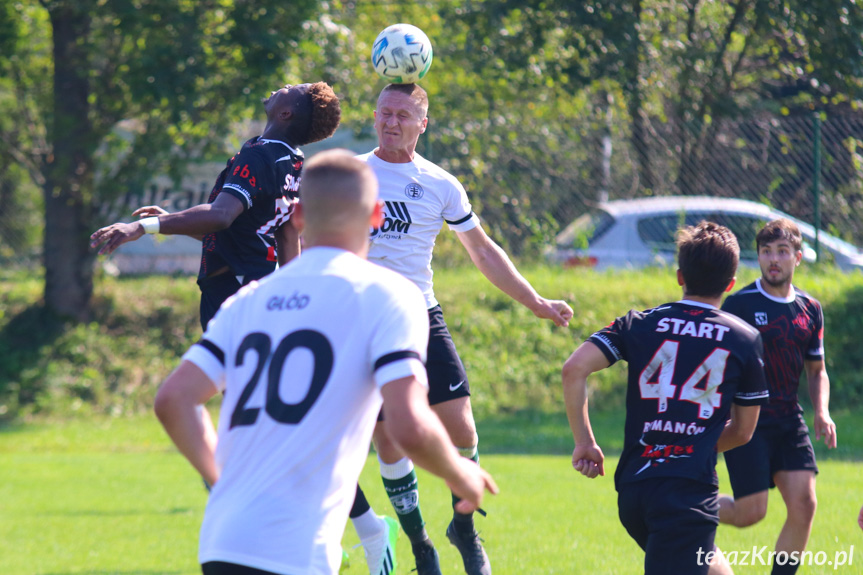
[(465, 440), (387, 450), (749, 513), (803, 506)]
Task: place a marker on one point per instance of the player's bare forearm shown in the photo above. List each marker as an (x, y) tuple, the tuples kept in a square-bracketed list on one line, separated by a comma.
[(179, 407), (196, 221), (819, 393), (819, 385), (496, 266), (739, 430), (155, 211), (587, 457)]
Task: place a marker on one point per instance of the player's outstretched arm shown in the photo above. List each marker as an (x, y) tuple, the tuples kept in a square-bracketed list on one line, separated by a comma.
[(155, 211), (196, 221), (179, 406), (587, 457), (819, 393), (416, 429), (494, 264), (739, 429)]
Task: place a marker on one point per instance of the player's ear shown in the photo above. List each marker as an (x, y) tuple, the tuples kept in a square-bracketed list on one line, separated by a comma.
[(299, 218), (731, 284), (680, 281), (377, 217), (425, 125)]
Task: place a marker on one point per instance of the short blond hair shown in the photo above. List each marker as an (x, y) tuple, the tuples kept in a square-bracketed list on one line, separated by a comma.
[(414, 91)]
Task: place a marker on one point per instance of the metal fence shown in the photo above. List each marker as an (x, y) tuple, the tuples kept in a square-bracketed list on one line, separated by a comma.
[(808, 165)]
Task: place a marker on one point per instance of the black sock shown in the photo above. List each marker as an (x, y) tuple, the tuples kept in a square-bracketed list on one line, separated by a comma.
[(361, 504), (461, 522), (787, 569)]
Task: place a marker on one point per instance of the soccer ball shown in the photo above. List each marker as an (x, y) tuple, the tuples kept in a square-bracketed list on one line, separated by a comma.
[(402, 54)]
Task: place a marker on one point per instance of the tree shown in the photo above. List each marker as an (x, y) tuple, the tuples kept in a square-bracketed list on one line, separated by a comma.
[(138, 87)]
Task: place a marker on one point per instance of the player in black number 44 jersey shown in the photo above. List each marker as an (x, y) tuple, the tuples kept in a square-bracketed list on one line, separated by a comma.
[(780, 453), (695, 386)]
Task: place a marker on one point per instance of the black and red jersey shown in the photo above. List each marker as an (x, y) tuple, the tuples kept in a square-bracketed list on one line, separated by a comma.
[(792, 330), (688, 362), (265, 176)]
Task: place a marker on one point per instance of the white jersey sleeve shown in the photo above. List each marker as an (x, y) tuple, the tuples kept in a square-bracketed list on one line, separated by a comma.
[(458, 213), (400, 338)]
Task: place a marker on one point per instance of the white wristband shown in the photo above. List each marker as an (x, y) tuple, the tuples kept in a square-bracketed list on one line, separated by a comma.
[(150, 225)]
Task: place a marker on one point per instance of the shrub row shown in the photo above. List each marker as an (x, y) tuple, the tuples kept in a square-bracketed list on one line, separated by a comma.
[(141, 327)]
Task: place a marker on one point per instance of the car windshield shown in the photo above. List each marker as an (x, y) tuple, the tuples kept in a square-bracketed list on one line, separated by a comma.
[(587, 228)]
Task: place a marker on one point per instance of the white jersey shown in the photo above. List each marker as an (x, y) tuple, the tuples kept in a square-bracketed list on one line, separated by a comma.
[(300, 357), (418, 198)]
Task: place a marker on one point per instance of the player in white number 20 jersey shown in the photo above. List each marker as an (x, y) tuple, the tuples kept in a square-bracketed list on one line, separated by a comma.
[(305, 359)]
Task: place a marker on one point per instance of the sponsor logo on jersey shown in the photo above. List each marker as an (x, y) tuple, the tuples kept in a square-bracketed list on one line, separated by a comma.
[(801, 321), (397, 220), (679, 326), (244, 172), (760, 318), (666, 451), (680, 427), (414, 191)]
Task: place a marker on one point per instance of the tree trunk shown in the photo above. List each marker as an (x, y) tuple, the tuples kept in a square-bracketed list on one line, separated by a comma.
[(68, 168), (639, 137)]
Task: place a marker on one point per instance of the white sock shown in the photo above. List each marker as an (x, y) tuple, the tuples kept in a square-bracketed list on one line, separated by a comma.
[(368, 525), (396, 470)]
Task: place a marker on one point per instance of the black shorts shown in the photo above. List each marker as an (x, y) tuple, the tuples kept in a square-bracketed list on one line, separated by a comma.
[(783, 445), (222, 568), (447, 377), (674, 520), (214, 291), (446, 374)]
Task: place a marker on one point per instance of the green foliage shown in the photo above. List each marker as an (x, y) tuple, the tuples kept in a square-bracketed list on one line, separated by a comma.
[(142, 326), (113, 364)]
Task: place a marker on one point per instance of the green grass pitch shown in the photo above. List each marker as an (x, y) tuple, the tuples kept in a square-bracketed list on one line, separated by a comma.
[(111, 496)]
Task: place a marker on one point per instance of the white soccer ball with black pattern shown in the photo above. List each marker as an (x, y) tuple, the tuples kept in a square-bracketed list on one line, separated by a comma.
[(402, 54)]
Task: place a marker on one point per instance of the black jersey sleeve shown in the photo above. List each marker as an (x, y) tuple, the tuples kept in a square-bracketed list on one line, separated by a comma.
[(250, 178), (753, 383), (815, 349), (610, 339)]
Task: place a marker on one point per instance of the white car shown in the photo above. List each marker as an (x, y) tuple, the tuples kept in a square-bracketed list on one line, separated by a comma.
[(638, 233)]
